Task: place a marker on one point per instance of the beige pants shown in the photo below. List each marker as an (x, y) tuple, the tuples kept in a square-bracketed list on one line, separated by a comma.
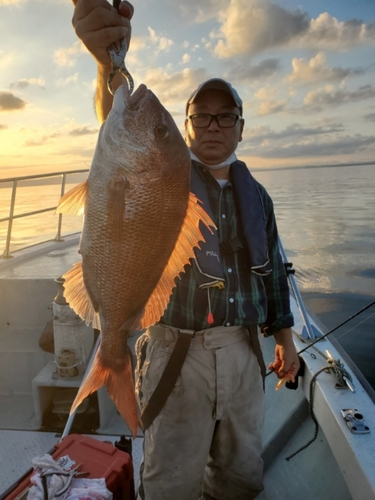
[(207, 437)]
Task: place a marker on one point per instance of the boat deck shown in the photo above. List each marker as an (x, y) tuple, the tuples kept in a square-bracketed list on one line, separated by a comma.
[(314, 471), (47, 260), (27, 289)]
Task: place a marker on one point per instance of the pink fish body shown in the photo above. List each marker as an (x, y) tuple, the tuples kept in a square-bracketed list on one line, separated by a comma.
[(140, 226)]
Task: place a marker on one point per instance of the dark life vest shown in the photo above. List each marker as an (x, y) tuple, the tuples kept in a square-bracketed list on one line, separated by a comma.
[(252, 221)]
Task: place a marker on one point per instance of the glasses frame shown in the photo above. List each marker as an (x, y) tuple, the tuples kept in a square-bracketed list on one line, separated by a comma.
[(214, 117)]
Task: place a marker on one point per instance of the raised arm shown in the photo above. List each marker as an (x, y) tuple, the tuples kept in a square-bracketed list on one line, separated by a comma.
[(98, 24)]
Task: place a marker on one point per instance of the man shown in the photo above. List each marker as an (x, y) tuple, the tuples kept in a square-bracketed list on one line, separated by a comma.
[(206, 438)]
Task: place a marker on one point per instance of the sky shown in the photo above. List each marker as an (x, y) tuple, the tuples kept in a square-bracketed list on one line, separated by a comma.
[(305, 71)]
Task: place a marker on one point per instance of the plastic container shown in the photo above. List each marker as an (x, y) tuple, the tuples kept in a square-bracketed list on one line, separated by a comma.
[(98, 458)]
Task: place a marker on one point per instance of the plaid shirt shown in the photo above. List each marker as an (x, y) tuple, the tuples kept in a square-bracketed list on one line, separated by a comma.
[(247, 299)]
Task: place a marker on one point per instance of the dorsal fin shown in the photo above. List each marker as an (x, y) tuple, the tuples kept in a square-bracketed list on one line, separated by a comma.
[(189, 237), (77, 297), (73, 202)]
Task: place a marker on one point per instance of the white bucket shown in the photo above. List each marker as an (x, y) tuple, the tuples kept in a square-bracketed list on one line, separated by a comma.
[(71, 334)]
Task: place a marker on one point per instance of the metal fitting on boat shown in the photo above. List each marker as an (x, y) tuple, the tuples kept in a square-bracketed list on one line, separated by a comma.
[(73, 339)]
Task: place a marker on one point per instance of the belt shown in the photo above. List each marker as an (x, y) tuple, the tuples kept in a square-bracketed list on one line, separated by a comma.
[(210, 338)]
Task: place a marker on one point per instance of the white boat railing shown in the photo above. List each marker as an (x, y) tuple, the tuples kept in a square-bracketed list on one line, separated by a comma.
[(15, 182), (309, 331)]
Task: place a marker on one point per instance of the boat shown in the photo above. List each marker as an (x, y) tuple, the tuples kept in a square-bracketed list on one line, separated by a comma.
[(319, 437)]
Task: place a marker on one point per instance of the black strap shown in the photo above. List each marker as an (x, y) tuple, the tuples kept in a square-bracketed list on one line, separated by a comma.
[(167, 381), (232, 245), (254, 339)]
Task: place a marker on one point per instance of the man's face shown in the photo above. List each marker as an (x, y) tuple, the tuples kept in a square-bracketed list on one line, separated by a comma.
[(213, 144)]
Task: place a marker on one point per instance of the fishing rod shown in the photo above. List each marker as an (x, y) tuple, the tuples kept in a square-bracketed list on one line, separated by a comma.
[(337, 327), (312, 332)]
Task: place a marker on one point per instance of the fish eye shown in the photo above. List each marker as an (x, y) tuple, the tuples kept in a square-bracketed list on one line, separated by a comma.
[(161, 132)]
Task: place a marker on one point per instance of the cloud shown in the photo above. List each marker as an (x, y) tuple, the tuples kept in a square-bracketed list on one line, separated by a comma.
[(6, 58), (200, 12), (307, 146), (295, 131), (160, 43), (24, 83), (249, 27), (85, 130), (269, 104), (370, 117), (42, 140), (316, 139), (67, 56), (11, 2), (169, 87), (252, 26), (328, 96), (327, 32), (185, 59), (64, 82), (10, 102), (3, 127), (315, 70), (247, 72)]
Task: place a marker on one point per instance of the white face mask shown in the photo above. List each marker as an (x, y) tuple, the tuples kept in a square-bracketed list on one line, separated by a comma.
[(224, 163)]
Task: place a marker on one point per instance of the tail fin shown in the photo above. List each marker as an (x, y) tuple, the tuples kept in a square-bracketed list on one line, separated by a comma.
[(120, 387)]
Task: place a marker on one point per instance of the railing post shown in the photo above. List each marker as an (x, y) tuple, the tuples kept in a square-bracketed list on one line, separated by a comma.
[(6, 254), (59, 223)]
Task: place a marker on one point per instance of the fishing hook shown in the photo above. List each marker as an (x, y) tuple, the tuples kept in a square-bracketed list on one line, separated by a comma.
[(117, 55)]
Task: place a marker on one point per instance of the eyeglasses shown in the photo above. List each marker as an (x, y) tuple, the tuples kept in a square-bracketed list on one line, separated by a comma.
[(224, 120)]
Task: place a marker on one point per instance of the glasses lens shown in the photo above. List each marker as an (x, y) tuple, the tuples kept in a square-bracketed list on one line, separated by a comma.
[(225, 120), (201, 120)]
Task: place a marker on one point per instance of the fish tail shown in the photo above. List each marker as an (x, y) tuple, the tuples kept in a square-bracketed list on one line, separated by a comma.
[(120, 387)]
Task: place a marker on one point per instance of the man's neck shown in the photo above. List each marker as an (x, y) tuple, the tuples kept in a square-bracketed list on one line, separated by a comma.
[(219, 171)]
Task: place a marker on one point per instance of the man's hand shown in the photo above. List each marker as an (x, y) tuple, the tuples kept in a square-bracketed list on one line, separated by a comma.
[(98, 24), (286, 364)]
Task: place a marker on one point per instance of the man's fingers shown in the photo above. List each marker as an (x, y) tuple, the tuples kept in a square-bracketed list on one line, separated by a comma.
[(104, 38), (126, 9), (286, 378), (97, 20), (86, 8)]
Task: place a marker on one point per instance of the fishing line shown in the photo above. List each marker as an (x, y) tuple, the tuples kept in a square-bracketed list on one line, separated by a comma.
[(337, 327), (354, 327), (333, 330)]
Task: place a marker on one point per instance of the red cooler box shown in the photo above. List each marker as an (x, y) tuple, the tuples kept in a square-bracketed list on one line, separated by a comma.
[(99, 459)]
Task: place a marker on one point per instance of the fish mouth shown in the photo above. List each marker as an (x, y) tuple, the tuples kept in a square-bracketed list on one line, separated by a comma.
[(133, 101)]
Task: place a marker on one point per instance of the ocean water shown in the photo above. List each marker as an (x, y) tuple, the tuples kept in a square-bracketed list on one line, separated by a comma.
[(326, 220), (33, 195)]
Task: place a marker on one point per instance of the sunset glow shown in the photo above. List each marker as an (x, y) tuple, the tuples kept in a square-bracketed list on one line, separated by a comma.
[(305, 71)]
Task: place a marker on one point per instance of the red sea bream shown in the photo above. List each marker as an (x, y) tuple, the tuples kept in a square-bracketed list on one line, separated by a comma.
[(140, 226)]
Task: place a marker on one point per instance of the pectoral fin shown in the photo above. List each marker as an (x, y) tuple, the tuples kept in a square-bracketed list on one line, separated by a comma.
[(189, 237), (73, 202), (77, 297)]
